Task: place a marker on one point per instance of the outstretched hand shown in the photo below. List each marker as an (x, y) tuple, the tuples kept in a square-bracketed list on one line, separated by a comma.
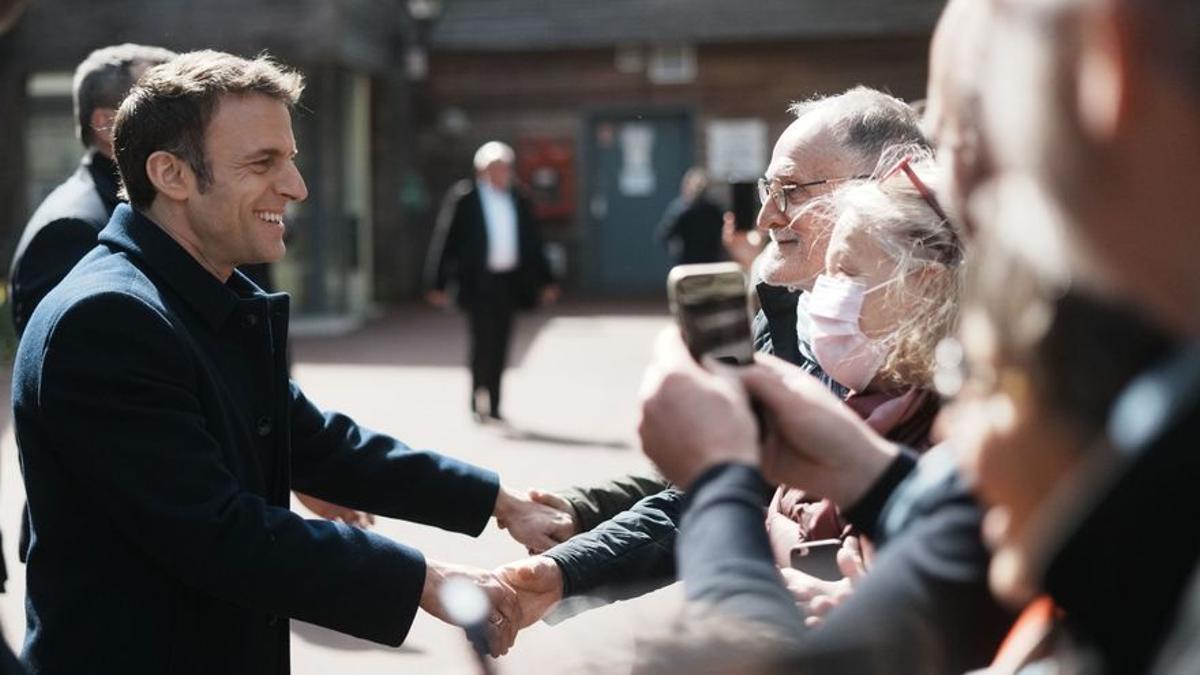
[(538, 521), (506, 617), (538, 584)]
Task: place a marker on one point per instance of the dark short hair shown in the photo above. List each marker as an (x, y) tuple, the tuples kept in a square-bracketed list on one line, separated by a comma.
[(103, 79), (170, 109)]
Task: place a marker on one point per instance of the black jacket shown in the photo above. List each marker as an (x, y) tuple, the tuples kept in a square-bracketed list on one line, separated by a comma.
[(691, 229), (60, 232), (1124, 568), (159, 437), (459, 248)]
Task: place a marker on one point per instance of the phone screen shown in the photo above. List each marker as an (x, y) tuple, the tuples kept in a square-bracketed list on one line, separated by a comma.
[(711, 306), (745, 205)]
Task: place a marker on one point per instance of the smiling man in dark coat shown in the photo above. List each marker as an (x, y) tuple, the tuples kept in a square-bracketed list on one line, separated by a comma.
[(159, 434)]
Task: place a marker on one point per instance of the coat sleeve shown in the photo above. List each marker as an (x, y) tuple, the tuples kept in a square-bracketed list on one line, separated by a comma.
[(335, 459), (445, 248), (626, 555), (117, 398), (725, 559), (597, 503)]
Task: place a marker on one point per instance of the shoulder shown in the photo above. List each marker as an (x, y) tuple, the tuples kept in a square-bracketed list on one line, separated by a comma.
[(462, 189), (75, 199), (104, 292)]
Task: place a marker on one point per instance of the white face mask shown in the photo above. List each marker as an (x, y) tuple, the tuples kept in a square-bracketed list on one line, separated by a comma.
[(831, 317)]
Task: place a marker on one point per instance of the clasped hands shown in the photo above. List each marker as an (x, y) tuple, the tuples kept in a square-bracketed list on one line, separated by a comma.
[(522, 592)]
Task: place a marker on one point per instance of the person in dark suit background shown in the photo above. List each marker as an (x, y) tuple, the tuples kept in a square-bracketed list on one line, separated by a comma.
[(159, 434), (487, 245), (691, 225), (64, 227)]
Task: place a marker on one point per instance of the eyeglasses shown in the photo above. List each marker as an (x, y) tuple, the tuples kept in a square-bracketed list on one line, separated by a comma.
[(783, 196)]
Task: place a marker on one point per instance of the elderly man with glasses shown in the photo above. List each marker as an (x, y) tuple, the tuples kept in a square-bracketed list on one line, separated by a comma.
[(832, 140)]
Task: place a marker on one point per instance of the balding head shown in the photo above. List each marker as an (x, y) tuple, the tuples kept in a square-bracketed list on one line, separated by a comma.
[(832, 139)]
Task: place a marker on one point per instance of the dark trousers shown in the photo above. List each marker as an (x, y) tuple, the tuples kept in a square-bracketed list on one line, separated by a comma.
[(490, 318)]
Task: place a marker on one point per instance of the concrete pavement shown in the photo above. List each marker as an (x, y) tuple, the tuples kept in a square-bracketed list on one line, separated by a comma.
[(569, 397)]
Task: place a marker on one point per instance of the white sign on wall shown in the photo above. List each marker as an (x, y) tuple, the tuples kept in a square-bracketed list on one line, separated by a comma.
[(737, 149)]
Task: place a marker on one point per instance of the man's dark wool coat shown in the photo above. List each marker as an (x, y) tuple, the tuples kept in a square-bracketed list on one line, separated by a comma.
[(159, 437)]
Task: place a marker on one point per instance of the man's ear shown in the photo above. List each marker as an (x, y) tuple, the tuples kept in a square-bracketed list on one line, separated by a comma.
[(170, 175)]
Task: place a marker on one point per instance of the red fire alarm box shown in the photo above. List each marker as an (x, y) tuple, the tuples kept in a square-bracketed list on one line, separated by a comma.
[(547, 167)]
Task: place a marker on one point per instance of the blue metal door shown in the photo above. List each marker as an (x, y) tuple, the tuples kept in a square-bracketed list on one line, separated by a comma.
[(634, 164)]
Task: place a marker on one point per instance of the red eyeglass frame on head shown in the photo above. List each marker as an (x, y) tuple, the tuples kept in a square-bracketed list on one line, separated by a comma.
[(905, 165)]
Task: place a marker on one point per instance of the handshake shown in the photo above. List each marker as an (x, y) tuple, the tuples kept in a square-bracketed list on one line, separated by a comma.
[(521, 592)]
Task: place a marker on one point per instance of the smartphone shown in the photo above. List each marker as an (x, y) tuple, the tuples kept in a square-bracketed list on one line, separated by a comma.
[(818, 558), (711, 305), (745, 205)]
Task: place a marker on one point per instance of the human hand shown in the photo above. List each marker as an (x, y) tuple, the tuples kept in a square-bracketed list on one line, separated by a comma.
[(814, 441), (816, 597), (329, 511), (538, 583), (505, 617), (537, 522), (438, 299), (743, 246), (693, 419)]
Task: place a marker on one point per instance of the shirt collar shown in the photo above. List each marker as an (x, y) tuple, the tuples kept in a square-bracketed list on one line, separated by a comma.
[(135, 234)]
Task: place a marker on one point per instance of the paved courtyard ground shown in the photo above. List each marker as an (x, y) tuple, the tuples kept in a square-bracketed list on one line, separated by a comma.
[(569, 397)]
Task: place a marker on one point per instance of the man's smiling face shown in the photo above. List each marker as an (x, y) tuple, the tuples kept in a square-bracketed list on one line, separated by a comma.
[(807, 151)]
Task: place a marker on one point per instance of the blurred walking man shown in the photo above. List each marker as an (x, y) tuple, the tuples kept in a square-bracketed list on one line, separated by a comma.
[(487, 244), (159, 434)]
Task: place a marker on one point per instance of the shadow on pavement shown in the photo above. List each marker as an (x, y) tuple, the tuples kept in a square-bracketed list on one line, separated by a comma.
[(516, 433), (323, 637)]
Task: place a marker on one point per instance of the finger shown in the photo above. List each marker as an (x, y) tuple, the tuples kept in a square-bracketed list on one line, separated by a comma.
[(550, 499), (812, 621), (541, 542), (850, 561), (821, 605), (563, 531)]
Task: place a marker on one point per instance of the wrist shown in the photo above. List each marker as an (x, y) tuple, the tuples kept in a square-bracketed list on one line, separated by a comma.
[(434, 575), (873, 455), (506, 503)]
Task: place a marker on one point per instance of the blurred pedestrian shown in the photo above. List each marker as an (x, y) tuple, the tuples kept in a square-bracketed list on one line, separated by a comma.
[(691, 225), (487, 249)]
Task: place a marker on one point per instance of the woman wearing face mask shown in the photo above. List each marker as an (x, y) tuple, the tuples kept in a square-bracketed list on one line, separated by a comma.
[(888, 295)]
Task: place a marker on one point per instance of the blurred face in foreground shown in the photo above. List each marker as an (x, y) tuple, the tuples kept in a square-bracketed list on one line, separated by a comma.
[(1016, 454)]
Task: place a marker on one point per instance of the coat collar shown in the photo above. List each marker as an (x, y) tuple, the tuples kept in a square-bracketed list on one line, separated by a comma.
[(133, 233), (105, 177)]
